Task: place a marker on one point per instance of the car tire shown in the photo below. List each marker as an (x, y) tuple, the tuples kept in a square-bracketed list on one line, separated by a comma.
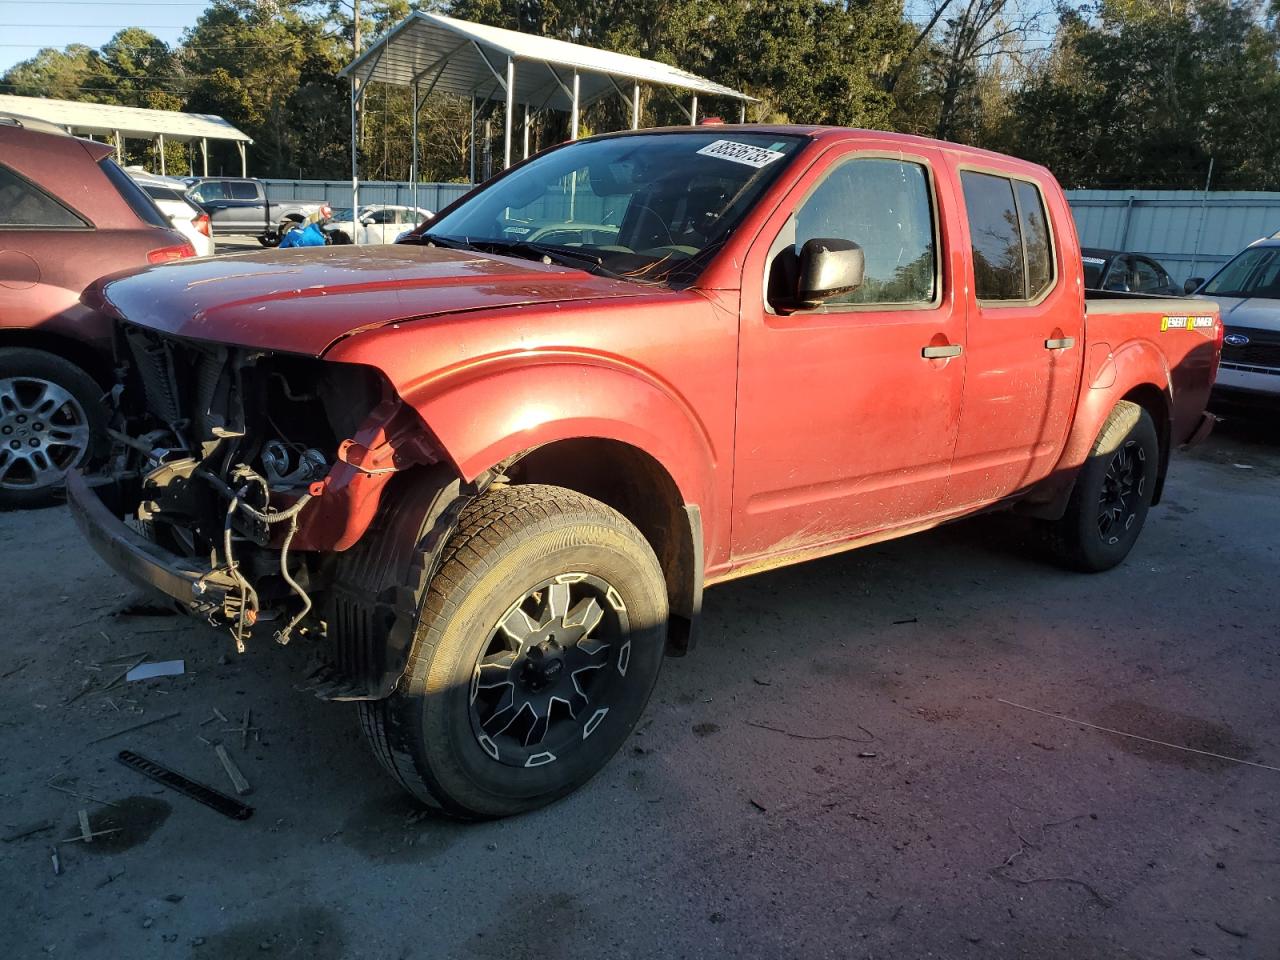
[(537, 646), (1112, 495), (51, 419)]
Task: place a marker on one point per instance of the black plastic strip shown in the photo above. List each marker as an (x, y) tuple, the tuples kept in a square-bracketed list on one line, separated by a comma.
[(225, 805)]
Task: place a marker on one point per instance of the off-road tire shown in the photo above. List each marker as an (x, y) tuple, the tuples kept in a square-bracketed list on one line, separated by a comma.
[(508, 541), (1076, 540), (25, 362)]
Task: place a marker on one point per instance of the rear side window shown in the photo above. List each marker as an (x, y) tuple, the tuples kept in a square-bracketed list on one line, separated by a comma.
[(1009, 231), (23, 204), (133, 195), (884, 206), (242, 190), (164, 193)]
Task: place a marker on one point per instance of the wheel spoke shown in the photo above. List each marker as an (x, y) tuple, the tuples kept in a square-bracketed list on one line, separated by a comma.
[(557, 600), (495, 671), (504, 715), (585, 616), (518, 625), (76, 437)]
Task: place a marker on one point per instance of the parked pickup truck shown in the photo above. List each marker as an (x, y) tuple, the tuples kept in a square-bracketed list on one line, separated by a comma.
[(237, 205), (487, 479)]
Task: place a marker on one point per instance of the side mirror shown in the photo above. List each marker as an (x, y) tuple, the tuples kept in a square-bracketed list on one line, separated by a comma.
[(1192, 285), (828, 269)]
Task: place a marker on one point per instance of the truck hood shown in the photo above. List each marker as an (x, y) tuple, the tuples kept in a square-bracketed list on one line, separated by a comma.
[(1260, 313), (303, 300)]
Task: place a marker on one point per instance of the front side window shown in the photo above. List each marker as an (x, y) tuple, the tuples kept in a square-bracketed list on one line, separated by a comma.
[(1253, 273), (1009, 233), (209, 190), (23, 204), (242, 190), (648, 207), (884, 206)]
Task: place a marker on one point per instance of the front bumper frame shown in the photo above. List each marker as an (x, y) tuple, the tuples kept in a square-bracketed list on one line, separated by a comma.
[(198, 588)]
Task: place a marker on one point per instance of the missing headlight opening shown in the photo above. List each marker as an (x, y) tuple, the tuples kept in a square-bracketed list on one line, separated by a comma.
[(223, 454)]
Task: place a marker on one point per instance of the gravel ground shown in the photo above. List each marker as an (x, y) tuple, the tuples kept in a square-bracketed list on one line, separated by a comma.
[(833, 773)]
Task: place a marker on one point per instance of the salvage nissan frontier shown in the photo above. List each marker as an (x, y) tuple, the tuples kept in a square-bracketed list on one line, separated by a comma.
[(486, 473)]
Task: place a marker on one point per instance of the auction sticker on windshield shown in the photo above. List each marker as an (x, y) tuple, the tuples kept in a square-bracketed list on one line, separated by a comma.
[(741, 153)]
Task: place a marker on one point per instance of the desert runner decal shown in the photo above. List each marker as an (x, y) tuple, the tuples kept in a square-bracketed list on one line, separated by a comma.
[(741, 153), (1185, 323)]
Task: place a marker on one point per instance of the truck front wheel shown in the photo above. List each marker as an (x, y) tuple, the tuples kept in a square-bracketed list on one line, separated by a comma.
[(1112, 494), (538, 643)]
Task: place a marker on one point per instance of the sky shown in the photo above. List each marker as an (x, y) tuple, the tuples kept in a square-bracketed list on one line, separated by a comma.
[(28, 25)]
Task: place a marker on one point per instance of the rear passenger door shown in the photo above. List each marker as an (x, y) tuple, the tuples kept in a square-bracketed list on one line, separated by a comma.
[(1024, 338)]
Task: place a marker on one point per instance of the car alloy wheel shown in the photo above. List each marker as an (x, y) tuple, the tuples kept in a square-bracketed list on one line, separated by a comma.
[(44, 432)]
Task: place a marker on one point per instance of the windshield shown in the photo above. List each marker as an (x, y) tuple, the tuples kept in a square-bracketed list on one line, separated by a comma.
[(650, 207), (1253, 273)]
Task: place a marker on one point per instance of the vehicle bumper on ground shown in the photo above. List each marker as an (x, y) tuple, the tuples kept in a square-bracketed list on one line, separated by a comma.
[(196, 588)]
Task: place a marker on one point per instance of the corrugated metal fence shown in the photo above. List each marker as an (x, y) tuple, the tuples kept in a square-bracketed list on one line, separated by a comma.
[(337, 193), (1190, 232)]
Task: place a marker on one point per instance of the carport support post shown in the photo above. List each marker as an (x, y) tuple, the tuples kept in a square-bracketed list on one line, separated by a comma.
[(355, 159), (635, 106), (160, 142), (511, 109), (473, 139), (693, 112), (119, 148), (413, 164), (244, 163), (525, 129), (742, 111), (573, 113), (204, 154)]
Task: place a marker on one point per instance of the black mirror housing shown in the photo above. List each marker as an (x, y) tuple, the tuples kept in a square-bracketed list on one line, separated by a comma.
[(1192, 285), (828, 269)]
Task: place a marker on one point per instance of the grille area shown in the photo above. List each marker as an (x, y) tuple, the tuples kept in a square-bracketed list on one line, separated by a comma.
[(1262, 350)]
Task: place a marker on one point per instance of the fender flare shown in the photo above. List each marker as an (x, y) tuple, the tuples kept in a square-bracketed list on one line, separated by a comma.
[(492, 411), (1137, 366)]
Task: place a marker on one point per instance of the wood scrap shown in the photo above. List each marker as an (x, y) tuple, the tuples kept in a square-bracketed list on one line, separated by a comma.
[(136, 726), (233, 772)]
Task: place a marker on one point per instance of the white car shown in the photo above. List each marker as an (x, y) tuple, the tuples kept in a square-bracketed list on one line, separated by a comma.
[(170, 195), (379, 223)]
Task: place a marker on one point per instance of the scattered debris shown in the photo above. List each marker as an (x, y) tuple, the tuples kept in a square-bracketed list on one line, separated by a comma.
[(124, 673), (245, 729), (866, 755), (759, 806), (763, 683), (201, 793), (1027, 881), (57, 864), (233, 772), (1235, 932), (80, 796), (136, 726), (88, 837), (27, 830), (220, 715), (162, 668), (1243, 466), (802, 736), (897, 623), (1134, 736), (110, 878), (22, 666), (85, 833)]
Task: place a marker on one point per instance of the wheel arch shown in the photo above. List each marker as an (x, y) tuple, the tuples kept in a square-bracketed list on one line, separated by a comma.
[(1137, 372), (92, 361)]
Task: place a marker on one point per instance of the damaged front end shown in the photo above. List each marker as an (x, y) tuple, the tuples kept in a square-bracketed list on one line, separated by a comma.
[(240, 475)]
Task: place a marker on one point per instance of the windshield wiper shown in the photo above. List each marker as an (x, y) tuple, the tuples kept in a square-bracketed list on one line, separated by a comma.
[(565, 256)]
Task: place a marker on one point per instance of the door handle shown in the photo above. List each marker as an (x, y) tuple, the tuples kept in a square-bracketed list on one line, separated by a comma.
[(1060, 343), (942, 353)]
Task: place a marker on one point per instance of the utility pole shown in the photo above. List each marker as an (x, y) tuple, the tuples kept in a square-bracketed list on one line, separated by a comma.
[(355, 26)]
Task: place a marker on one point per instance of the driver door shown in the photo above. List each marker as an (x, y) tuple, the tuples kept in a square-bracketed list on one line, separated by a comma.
[(848, 413)]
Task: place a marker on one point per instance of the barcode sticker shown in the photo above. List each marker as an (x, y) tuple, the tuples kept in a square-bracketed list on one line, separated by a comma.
[(743, 153)]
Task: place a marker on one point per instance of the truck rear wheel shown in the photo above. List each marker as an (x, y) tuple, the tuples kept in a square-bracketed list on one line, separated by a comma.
[(1112, 495), (538, 643)]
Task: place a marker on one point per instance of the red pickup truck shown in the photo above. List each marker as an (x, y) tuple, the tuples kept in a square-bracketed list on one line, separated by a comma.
[(486, 473)]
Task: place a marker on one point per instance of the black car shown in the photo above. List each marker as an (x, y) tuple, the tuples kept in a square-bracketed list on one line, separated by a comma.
[(1126, 273)]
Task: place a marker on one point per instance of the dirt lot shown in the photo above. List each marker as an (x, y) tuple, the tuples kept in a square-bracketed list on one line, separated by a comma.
[(832, 774)]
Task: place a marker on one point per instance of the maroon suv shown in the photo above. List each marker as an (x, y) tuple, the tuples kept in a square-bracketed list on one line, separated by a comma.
[(68, 215)]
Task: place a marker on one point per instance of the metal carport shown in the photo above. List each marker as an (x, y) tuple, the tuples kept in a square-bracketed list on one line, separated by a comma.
[(102, 119), (428, 52)]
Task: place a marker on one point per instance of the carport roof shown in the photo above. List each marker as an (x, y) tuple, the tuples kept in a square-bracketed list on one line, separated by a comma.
[(136, 122), (468, 59)]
